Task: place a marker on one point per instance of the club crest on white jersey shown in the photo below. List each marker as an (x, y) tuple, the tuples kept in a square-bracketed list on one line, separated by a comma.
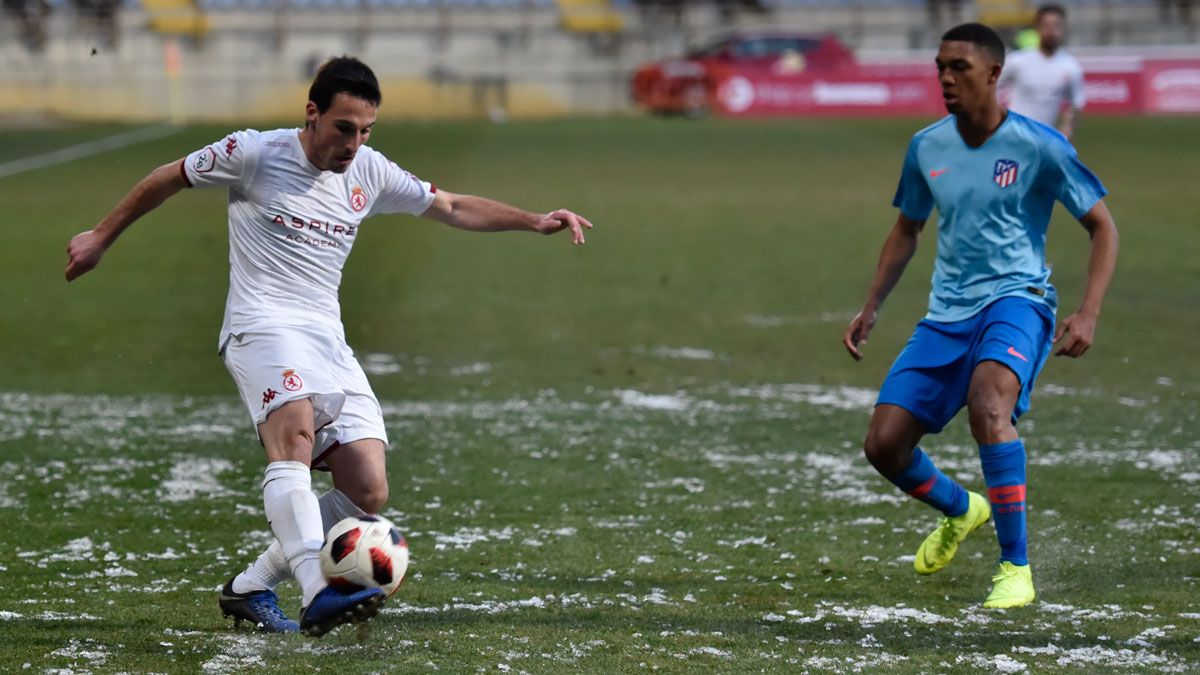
[(358, 198), (292, 381), (291, 225)]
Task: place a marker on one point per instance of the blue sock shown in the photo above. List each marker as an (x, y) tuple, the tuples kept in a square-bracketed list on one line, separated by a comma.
[(923, 480), (1004, 471)]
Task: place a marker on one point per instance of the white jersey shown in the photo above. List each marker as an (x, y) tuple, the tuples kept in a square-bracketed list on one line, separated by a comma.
[(291, 225), (1041, 86)]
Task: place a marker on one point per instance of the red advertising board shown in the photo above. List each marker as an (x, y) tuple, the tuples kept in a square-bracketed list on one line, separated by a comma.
[(1124, 86), (1171, 86), (842, 94), (1113, 93)]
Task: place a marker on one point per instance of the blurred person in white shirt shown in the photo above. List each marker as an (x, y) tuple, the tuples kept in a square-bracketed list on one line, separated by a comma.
[(1045, 82)]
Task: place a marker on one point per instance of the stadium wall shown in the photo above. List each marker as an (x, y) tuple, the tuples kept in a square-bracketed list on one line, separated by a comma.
[(254, 65)]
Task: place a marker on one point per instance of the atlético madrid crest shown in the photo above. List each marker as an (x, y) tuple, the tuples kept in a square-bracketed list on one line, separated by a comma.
[(1006, 172), (358, 199)]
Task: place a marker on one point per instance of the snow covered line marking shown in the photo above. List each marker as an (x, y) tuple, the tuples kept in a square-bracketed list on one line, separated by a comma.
[(88, 149)]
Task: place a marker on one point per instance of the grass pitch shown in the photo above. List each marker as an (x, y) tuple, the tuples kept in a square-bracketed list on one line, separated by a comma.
[(641, 454)]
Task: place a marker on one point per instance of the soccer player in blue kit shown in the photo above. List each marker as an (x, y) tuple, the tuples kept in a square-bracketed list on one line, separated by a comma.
[(994, 176)]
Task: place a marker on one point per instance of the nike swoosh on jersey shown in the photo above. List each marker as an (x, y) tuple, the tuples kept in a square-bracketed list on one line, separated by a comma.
[(937, 172), (1017, 354)]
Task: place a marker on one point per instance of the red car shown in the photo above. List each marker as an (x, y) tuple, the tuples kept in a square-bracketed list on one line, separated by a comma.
[(686, 86)]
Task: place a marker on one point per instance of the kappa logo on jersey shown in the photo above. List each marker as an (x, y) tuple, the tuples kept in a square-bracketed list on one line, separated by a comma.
[(230, 144), (268, 396), (358, 199), (413, 178), (1006, 172), (292, 381), (205, 161)]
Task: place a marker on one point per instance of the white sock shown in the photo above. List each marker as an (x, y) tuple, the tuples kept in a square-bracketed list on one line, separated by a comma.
[(264, 574), (271, 568), (295, 517)]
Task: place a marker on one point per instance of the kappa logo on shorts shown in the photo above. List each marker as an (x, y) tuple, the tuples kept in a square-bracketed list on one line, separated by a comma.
[(358, 198), (268, 396), (292, 381)]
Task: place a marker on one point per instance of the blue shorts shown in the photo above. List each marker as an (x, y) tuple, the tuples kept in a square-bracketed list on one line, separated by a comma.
[(931, 376)]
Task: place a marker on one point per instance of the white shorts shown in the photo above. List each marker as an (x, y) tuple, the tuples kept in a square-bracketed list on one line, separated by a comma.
[(274, 365)]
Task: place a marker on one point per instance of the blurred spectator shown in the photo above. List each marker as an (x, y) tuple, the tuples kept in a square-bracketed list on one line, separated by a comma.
[(312, 64), (1028, 38), (30, 16), (669, 9), (102, 14), (951, 8), (730, 8), (1184, 8), (1045, 82)]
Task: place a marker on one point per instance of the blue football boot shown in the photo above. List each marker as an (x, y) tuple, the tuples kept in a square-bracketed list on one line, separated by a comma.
[(332, 608), (260, 608)]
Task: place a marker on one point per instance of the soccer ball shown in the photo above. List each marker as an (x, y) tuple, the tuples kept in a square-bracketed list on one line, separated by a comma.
[(364, 552)]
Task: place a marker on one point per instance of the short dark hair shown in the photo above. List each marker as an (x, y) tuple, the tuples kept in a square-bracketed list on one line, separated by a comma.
[(979, 35), (1050, 9), (343, 75)]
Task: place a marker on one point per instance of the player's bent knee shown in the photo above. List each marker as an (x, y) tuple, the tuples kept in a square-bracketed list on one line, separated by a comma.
[(885, 452), (369, 492), (990, 421), (372, 498)]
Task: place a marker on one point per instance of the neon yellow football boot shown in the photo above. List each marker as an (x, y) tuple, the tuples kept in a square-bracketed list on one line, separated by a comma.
[(939, 548), (1011, 587)]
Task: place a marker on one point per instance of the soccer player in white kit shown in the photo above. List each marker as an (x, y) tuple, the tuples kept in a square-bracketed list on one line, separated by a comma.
[(297, 199), (1045, 83)]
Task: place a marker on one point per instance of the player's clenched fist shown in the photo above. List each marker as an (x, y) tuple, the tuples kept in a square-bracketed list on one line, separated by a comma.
[(84, 252)]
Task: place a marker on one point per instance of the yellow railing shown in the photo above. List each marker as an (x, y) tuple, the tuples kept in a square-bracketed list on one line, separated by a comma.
[(1005, 13), (177, 17), (590, 16)]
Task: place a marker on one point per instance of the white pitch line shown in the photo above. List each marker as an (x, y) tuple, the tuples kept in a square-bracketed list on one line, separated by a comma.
[(96, 147)]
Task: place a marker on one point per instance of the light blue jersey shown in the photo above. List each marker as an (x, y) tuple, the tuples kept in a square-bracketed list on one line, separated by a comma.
[(994, 204)]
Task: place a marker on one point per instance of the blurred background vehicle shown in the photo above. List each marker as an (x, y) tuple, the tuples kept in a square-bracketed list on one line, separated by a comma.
[(688, 85)]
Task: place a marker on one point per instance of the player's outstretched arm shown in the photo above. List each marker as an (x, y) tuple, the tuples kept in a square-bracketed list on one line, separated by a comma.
[(1076, 331), (86, 248), (478, 214), (899, 248)]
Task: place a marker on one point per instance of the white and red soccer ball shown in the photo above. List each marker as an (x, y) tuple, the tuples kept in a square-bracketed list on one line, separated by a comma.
[(364, 552)]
